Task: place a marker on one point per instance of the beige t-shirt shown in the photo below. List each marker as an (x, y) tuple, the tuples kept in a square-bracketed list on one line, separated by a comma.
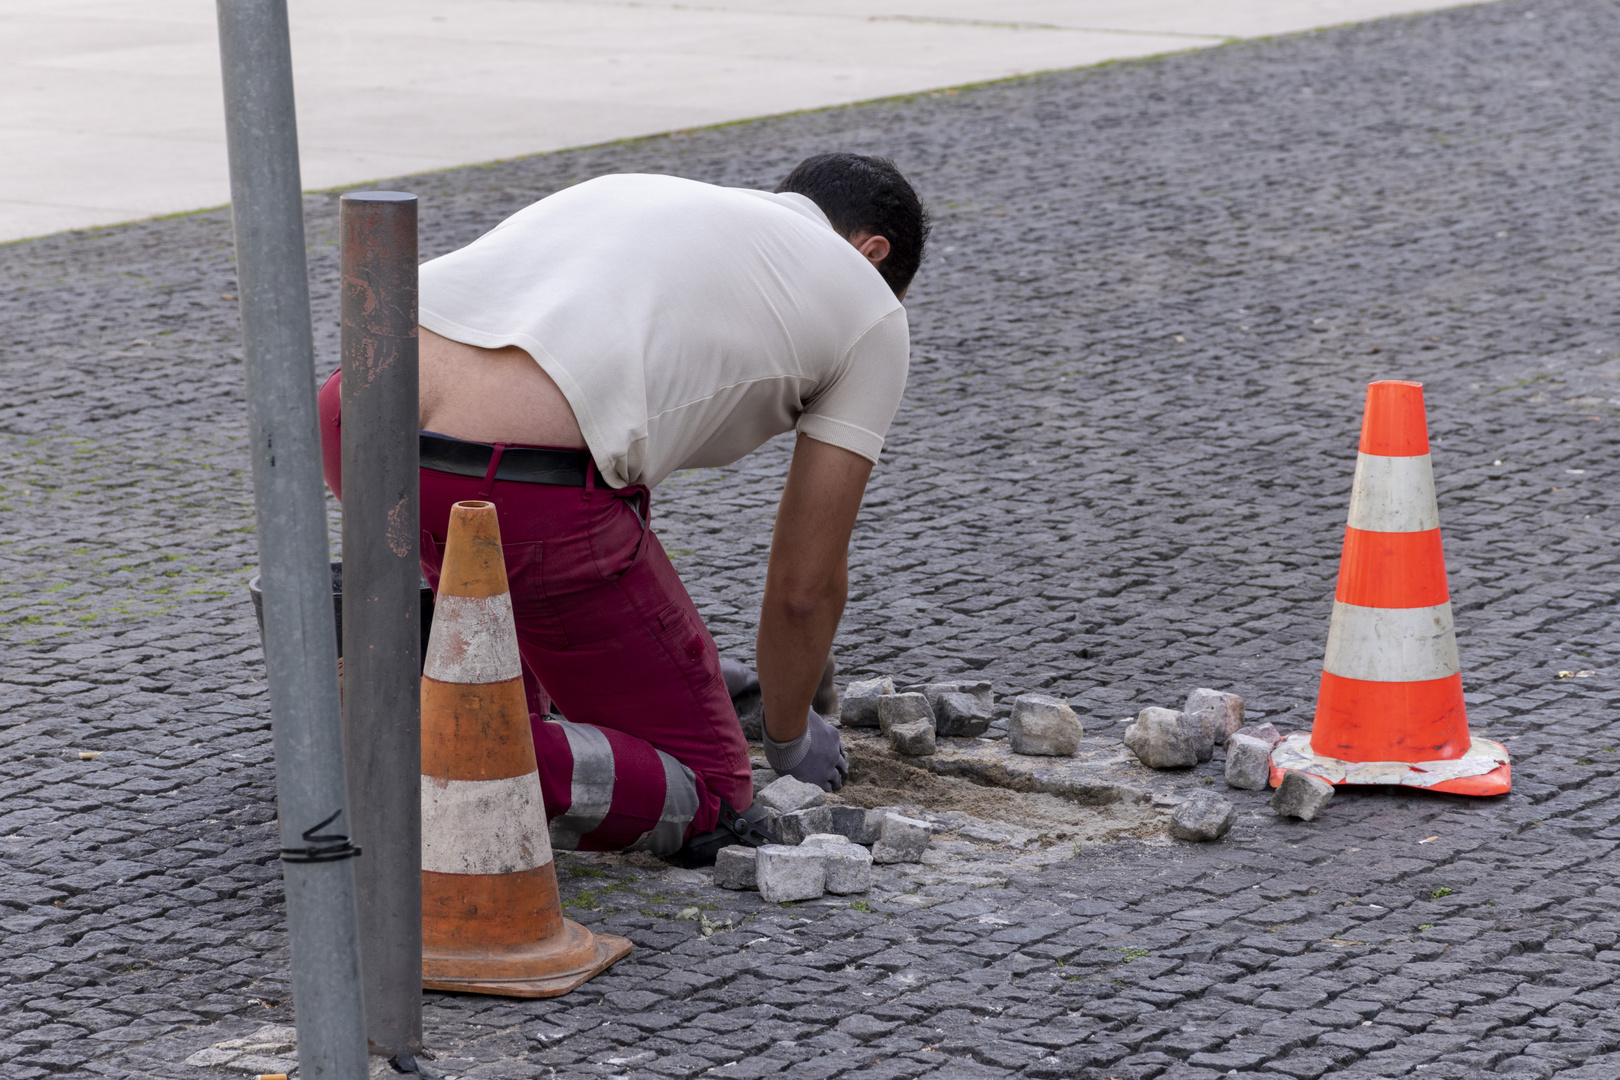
[(685, 323)]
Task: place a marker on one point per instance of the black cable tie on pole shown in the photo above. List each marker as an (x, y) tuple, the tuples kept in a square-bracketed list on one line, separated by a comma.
[(329, 847)]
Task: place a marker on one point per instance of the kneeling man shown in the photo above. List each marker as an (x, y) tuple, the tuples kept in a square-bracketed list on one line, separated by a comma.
[(598, 341)]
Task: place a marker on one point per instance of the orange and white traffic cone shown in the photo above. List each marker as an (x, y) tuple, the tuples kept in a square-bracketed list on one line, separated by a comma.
[(1390, 709), (491, 916)]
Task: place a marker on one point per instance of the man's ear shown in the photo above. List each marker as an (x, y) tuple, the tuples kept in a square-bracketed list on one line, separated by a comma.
[(874, 247)]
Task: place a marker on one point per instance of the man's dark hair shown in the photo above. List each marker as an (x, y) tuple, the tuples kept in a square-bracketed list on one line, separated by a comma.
[(867, 195)]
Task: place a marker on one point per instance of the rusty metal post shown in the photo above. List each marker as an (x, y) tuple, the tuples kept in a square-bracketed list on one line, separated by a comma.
[(300, 648), (382, 604)]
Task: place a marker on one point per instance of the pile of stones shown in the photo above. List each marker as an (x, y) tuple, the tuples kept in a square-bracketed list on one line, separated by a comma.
[(824, 848), (914, 720), (1168, 739), (1172, 739)]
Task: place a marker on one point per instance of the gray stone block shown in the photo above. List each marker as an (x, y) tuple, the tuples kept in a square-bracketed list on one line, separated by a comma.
[(1160, 739), (789, 873), (1044, 725), (858, 706), (848, 866), (962, 709), (902, 839), (961, 715), (903, 709), (876, 818), (1216, 713), (1248, 762), (1204, 816), (1266, 732), (856, 825), (908, 723), (914, 738), (1201, 734), (1301, 795), (735, 867), (849, 870), (788, 794), (794, 827)]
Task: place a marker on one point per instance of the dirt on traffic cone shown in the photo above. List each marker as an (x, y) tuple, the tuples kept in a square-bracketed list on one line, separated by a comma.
[(491, 917), (1390, 709)]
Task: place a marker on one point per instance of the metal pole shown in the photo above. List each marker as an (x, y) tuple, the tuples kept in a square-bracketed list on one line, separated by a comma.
[(382, 604), (300, 649)]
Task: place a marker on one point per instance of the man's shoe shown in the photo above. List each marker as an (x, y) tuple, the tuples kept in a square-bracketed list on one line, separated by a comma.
[(751, 828)]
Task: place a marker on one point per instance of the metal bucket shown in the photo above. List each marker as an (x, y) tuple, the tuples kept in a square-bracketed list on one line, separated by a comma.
[(337, 606)]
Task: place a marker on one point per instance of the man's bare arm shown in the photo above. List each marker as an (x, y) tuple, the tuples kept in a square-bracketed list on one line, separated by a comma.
[(808, 579)]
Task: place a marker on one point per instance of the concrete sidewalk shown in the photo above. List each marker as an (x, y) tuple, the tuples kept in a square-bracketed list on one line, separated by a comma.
[(114, 112)]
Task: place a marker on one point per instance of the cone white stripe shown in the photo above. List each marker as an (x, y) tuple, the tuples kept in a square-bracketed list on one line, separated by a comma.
[(484, 826), (1393, 494), (1391, 644), (473, 640)]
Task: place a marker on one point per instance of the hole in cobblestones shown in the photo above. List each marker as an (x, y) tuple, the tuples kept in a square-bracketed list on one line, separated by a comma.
[(877, 778)]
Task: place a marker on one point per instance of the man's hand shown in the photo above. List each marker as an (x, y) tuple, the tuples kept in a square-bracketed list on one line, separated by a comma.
[(807, 581), (816, 757)]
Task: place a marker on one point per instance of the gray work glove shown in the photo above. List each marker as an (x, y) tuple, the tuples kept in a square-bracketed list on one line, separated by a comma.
[(816, 757), (740, 678)]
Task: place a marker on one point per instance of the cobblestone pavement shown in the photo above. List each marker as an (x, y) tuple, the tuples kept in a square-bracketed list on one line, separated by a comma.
[(1120, 472)]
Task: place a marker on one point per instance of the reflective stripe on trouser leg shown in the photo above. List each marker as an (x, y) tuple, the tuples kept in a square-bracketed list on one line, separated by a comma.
[(591, 786), (680, 806)]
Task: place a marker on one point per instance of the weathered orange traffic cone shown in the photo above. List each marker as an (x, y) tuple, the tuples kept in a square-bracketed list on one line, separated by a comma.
[(1390, 709), (491, 917)]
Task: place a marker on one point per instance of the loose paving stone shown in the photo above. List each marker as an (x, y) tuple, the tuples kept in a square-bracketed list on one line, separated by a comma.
[(790, 794), (857, 824), (735, 867), (1301, 795), (859, 703), (1160, 739), (784, 874), (1248, 762), (908, 723), (1217, 714), (1204, 816), (848, 866), (794, 827), (905, 708), (962, 709), (901, 839), (1070, 501), (914, 738), (1043, 725), (1266, 733)]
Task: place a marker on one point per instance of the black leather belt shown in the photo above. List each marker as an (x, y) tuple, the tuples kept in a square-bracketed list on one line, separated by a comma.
[(525, 464)]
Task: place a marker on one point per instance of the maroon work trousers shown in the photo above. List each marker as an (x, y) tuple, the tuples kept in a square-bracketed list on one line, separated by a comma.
[(607, 631)]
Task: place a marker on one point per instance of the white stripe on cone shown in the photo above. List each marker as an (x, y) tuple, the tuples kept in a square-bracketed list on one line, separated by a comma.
[(473, 640), (1391, 644), (484, 826), (1392, 494)]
